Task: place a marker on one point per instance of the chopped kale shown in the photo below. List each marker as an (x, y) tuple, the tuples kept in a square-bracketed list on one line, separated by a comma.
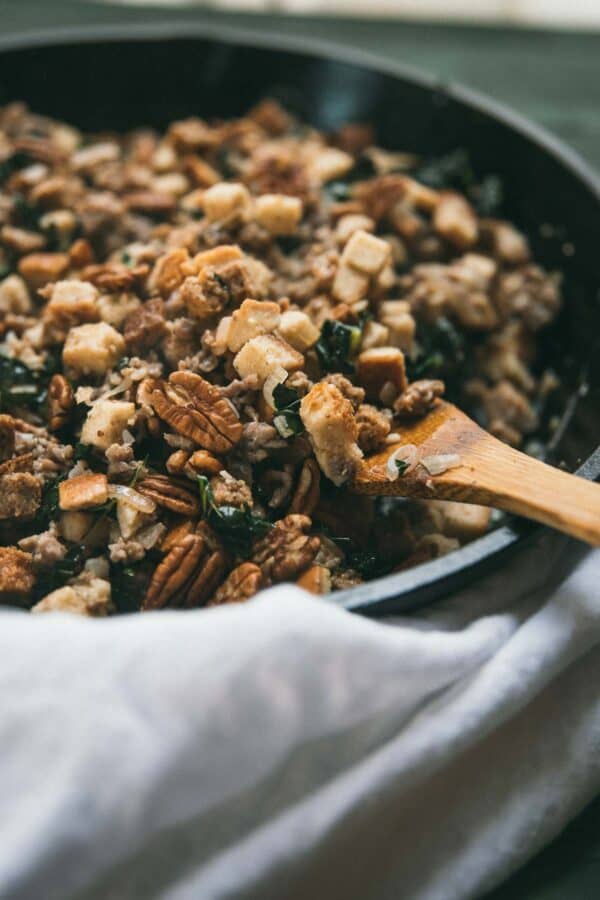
[(61, 572), (22, 387), (237, 528), (287, 407), (453, 170), (488, 196), (442, 351), (128, 586), (402, 466), (49, 505), (337, 345)]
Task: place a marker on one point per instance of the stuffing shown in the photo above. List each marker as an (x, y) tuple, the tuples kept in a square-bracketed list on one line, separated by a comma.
[(92, 349), (329, 420)]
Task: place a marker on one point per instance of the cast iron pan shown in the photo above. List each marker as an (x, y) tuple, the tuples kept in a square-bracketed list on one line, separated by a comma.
[(148, 75)]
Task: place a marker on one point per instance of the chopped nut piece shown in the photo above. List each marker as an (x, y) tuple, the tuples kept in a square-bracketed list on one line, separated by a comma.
[(93, 349), (169, 271), (240, 585), (205, 463), (60, 402), (286, 550), (170, 494), (83, 491), (306, 495)]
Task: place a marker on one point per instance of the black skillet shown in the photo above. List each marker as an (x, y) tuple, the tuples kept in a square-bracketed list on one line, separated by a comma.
[(109, 77)]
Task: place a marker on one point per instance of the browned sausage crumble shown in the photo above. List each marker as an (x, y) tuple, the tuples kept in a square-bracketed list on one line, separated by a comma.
[(203, 332)]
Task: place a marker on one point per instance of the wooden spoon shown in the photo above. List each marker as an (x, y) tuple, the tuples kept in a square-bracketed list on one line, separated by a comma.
[(489, 472)]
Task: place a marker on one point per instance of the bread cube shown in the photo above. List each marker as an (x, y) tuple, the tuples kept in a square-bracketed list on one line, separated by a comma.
[(254, 317), (378, 366), (264, 354), (455, 220), (329, 420), (329, 163), (92, 349), (366, 252), (347, 225), (89, 597), (83, 491), (349, 285), (14, 296), (106, 421), (465, 521), (114, 308), (278, 213), (396, 316), (298, 330), (225, 201), (374, 334), (72, 300)]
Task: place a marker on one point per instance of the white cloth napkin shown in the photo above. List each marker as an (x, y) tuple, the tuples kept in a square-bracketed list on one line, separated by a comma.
[(288, 749)]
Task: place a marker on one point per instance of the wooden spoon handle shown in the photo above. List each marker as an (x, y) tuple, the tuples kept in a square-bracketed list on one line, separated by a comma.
[(498, 475)]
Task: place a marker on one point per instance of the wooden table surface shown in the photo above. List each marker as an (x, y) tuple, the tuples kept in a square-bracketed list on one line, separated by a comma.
[(551, 77)]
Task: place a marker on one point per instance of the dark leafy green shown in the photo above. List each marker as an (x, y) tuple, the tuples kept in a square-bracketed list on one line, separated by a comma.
[(287, 406), (22, 387), (402, 466), (337, 346), (237, 528), (442, 350), (60, 573)]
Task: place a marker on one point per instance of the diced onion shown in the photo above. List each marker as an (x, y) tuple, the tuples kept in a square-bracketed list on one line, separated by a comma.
[(132, 498), (407, 453), (440, 462), (280, 423), (278, 376)]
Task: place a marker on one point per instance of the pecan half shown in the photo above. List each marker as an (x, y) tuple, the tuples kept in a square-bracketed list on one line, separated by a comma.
[(239, 586), (170, 494), (188, 574), (195, 408), (60, 402), (286, 551), (306, 495)]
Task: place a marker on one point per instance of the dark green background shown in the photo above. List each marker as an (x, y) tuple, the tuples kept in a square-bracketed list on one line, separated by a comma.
[(551, 77)]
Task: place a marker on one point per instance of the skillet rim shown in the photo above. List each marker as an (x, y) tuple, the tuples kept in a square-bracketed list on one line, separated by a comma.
[(396, 592)]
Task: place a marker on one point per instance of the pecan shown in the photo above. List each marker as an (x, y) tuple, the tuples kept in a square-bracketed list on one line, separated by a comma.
[(83, 491), (145, 326), (317, 580), (16, 573), (170, 494), (205, 463), (306, 495), (176, 534), (177, 462), (196, 409), (286, 551), (188, 574), (81, 253), (113, 277), (239, 586), (60, 402)]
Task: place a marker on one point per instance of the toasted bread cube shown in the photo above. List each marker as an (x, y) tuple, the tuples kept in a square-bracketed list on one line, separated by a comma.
[(379, 366), (386, 279), (264, 354), (91, 597), (39, 268), (349, 285), (278, 213), (20, 495), (420, 195), (14, 296), (73, 300), (366, 252), (396, 316), (254, 317), (216, 256), (114, 308), (17, 574), (298, 330), (374, 334), (225, 201), (83, 491), (329, 420), (106, 421), (455, 220), (347, 225), (219, 346), (329, 163), (92, 349), (465, 521)]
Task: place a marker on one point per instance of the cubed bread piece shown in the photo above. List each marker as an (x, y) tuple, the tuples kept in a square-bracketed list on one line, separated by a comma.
[(39, 268), (264, 354), (347, 225), (366, 252), (254, 317), (455, 220), (17, 575), (298, 330), (349, 285), (329, 163), (14, 296), (374, 334), (396, 316), (83, 491), (225, 201), (379, 366), (90, 597), (20, 495), (329, 420), (216, 256), (106, 421), (278, 213), (465, 521), (114, 308), (92, 349), (73, 301)]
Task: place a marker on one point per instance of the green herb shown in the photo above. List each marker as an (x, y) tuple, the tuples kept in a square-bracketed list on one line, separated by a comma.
[(453, 170), (13, 163), (61, 572), (337, 345), (401, 465), (49, 503), (369, 564), (22, 387), (84, 451), (442, 350), (337, 191), (238, 528), (27, 213), (128, 585), (287, 407), (122, 363), (126, 258)]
